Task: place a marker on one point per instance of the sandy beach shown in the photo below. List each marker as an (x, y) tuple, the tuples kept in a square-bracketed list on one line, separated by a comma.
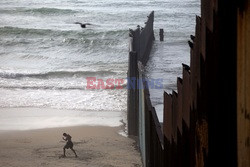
[(96, 146)]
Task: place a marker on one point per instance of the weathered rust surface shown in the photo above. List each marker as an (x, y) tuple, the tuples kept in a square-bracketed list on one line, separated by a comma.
[(174, 115), (179, 113), (243, 82), (186, 96), (207, 9), (167, 122)]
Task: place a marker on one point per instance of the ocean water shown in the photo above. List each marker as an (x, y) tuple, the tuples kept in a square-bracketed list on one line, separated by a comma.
[(45, 58), (167, 57)]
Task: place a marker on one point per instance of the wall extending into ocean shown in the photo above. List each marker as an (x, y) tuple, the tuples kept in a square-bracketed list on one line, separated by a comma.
[(206, 122), (141, 40)]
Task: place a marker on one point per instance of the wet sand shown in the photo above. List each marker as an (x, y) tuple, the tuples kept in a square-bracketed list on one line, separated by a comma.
[(96, 146)]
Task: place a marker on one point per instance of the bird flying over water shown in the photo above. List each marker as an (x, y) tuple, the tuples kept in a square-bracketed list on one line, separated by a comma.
[(83, 25)]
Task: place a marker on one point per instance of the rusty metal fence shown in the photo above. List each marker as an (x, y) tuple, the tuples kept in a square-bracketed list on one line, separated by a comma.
[(199, 124), (141, 40)]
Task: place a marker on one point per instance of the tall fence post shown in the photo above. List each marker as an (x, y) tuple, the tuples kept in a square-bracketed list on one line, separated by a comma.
[(161, 33), (132, 95)]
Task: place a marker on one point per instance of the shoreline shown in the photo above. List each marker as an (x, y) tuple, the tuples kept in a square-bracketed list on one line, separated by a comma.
[(95, 146), (29, 118), (120, 130)]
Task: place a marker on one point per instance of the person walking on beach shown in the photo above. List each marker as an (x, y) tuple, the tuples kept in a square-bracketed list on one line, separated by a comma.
[(68, 145)]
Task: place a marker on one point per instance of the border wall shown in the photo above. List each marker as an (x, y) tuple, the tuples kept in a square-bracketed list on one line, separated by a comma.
[(141, 41), (206, 122)]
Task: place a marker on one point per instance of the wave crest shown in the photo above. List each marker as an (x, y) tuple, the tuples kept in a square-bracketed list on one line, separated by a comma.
[(50, 11), (56, 74), (39, 11)]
